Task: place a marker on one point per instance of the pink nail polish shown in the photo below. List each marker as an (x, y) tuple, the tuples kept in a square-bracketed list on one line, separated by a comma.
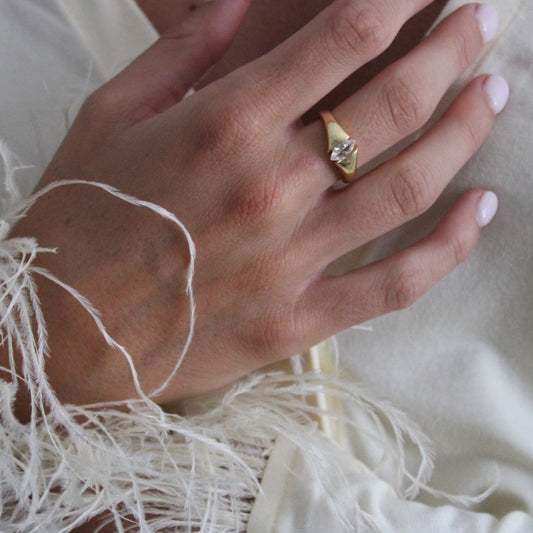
[(486, 208), (487, 17), (497, 90)]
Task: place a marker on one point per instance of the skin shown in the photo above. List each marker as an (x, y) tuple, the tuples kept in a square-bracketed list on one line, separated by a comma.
[(269, 22), (264, 218)]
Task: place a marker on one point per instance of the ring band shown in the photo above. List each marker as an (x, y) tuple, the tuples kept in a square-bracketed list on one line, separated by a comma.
[(342, 148)]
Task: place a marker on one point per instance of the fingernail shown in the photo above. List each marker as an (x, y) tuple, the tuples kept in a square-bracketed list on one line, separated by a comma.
[(486, 208), (487, 17), (497, 90)]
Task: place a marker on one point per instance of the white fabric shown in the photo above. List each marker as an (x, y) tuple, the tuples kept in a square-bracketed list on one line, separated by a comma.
[(54, 54), (459, 362), (124, 35), (160, 469), (44, 75)]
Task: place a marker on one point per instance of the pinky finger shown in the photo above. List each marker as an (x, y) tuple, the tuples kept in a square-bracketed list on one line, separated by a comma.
[(398, 281)]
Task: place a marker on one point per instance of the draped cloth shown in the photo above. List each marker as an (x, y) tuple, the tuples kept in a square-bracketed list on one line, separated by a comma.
[(320, 452)]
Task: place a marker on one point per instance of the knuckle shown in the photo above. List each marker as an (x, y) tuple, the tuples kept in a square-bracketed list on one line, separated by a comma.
[(230, 124), (227, 125), (405, 104), (271, 337), (276, 334), (471, 132), (402, 287), (410, 190), (458, 249), (194, 36), (297, 166), (101, 105), (354, 28), (91, 111), (465, 48), (256, 203)]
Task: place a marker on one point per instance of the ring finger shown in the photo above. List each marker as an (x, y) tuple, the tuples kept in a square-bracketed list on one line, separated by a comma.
[(402, 98), (407, 185)]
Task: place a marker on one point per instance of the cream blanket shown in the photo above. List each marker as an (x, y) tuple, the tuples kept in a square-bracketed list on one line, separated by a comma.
[(459, 362)]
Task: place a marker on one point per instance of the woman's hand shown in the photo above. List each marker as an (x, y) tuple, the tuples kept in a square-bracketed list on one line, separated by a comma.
[(268, 23), (254, 187)]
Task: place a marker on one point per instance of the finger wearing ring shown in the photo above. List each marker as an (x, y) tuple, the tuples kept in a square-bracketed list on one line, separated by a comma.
[(408, 184), (341, 147), (412, 86)]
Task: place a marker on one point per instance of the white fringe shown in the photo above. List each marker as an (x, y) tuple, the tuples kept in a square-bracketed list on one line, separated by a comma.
[(144, 469)]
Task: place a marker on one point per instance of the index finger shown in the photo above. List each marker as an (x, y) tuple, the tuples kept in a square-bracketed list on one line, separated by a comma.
[(306, 67)]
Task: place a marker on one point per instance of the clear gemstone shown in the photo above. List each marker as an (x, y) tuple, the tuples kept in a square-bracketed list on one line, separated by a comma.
[(343, 150)]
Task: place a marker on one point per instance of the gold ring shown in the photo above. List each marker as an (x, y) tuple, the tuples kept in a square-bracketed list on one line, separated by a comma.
[(342, 148)]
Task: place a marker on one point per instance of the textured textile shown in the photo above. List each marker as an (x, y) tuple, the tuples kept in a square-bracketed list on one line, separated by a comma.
[(459, 363), (195, 466), (44, 75)]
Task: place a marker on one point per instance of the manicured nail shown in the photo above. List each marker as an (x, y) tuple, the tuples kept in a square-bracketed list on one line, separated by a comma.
[(487, 17), (486, 208), (497, 90)]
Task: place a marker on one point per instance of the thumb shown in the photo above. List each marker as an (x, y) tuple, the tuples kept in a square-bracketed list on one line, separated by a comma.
[(160, 77)]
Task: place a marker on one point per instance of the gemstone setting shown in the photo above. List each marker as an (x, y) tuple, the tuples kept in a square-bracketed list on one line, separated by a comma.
[(343, 150)]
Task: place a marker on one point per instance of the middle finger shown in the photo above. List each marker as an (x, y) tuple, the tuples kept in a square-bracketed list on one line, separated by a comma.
[(299, 72), (402, 98)]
